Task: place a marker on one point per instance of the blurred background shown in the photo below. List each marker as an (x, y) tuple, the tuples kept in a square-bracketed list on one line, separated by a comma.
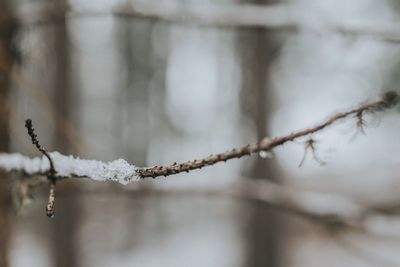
[(157, 82)]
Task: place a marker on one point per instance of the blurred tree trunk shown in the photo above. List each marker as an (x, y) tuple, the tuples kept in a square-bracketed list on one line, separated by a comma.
[(67, 208), (258, 49), (133, 97), (7, 31)]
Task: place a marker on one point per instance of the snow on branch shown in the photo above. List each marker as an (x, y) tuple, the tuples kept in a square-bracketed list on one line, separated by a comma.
[(124, 173), (57, 166), (69, 166), (278, 16)]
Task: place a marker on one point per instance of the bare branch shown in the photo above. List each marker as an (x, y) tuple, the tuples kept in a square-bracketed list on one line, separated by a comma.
[(334, 211), (388, 100), (51, 173), (35, 141), (122, 172)]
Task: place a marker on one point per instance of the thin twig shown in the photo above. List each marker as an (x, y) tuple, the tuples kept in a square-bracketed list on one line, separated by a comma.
[(51, 173), (75, 167), (29, 87), (52, 199), (310, 145), (108, 171), (35, 141), (387, 101)]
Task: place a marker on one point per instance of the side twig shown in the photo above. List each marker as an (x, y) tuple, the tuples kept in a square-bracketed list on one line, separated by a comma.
[(387, 101), (51, 173)]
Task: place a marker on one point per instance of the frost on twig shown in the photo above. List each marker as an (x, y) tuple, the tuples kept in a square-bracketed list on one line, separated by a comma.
[(57, 166), (122, 172), (67, 166)]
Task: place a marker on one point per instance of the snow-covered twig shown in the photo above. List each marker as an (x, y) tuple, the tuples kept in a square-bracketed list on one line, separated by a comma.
[(59, 166), (122, 172), (69, 166)]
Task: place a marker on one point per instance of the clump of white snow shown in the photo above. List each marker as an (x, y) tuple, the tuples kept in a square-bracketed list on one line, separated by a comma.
[(18, 162), (67, 166)]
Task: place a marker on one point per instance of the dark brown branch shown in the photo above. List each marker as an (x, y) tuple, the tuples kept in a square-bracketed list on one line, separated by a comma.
[(51, 173), (35, 141), (387, 101)]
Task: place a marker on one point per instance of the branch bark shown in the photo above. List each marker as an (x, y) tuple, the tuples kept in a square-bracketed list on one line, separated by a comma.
[(388, 100), (121, 171)]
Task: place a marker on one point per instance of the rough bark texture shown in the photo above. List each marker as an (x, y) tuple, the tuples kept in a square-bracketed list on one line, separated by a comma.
[(7, 30)]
